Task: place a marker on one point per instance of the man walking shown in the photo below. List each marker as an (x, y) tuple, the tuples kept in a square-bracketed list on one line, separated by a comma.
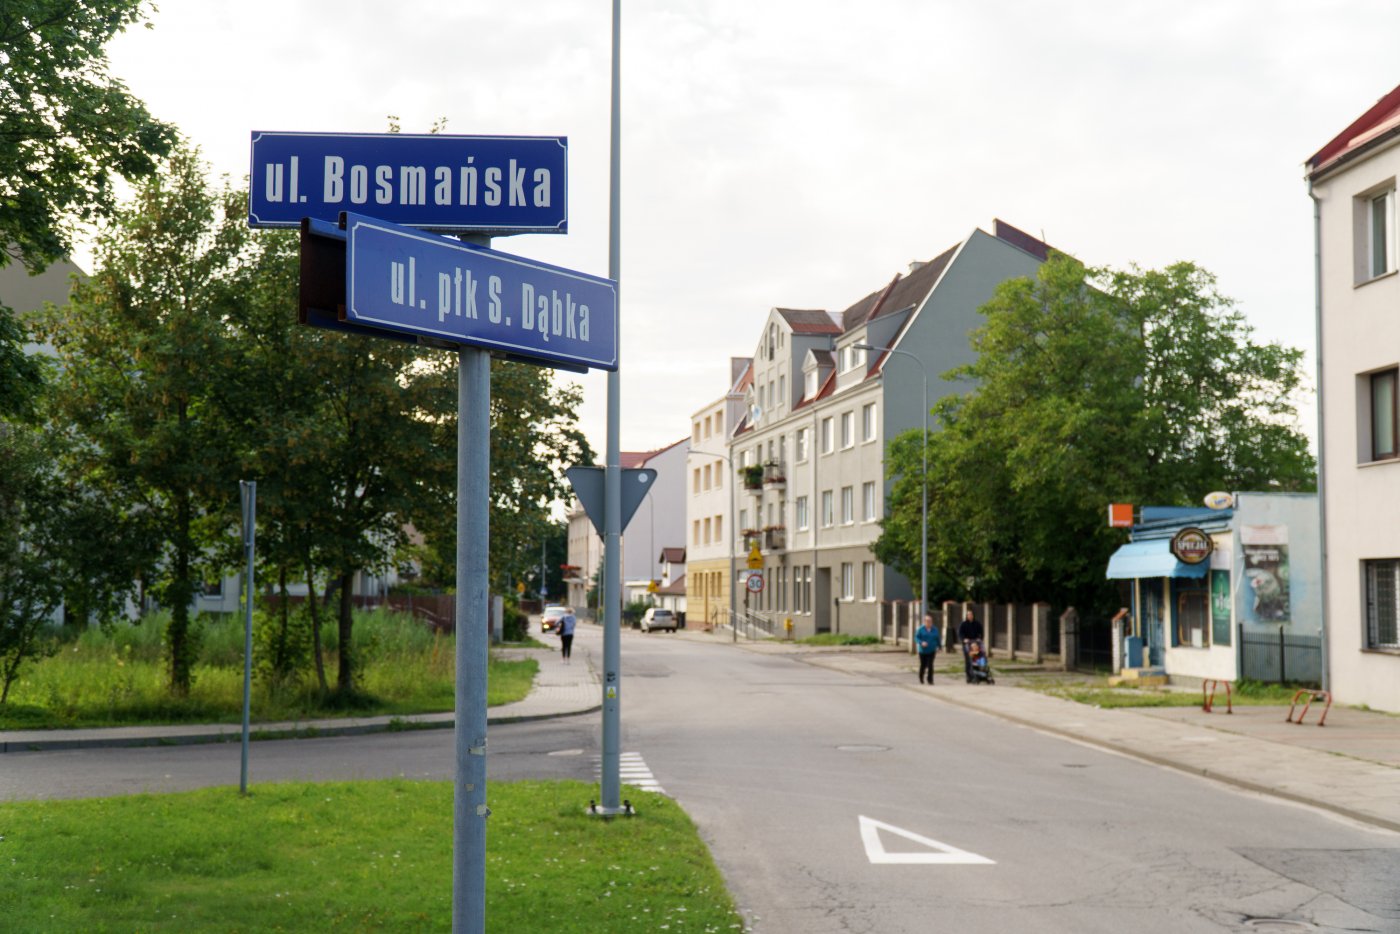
[(926, 637), (566, 633), (969, 631)]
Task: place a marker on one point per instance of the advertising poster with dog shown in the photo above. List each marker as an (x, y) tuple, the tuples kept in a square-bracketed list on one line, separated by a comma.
[(1265, 596)]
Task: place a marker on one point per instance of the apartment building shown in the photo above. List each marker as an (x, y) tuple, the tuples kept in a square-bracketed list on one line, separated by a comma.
[(1352, 181), (809, 452), (711, 499)]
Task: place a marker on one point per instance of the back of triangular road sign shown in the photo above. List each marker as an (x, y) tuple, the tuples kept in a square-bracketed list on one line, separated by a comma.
[(588, 487)]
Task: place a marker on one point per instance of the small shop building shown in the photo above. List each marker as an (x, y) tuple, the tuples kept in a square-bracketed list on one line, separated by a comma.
[(1224, 593)]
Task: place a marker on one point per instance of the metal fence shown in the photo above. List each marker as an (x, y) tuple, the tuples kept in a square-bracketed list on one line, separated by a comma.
[(1280, 657), (1095, 645)]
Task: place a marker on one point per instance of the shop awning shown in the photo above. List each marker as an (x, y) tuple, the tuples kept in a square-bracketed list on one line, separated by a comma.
[(1151, 559)]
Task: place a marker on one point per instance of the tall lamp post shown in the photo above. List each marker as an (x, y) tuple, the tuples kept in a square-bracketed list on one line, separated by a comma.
[(923, 525), (733, 531)]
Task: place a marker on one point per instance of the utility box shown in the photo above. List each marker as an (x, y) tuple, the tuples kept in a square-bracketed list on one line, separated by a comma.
[(1132, 652)]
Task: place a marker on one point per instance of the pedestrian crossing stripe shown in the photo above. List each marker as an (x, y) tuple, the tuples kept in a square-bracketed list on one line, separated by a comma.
[(632, 770)]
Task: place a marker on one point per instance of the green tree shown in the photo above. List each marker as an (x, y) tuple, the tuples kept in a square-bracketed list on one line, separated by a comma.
[(67, 127), (1092, 386), (134, 345)]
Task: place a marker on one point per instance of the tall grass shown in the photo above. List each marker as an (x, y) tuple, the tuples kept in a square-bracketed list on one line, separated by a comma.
[(117, 675)]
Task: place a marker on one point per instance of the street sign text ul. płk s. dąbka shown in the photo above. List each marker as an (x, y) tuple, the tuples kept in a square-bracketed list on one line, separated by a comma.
[(458, 184), (403, 282)]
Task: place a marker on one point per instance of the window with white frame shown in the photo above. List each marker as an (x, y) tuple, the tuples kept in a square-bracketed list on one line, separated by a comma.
[(848, 581), (828, 515), (1384, 423), (743, 518), (867, 500), (1380, 233), (782, 389), (848, 429), (1383, 604), (811, 387), (848, 505), (800, 513), (800, 445), (867, 580), (867, 422), (828, 435)]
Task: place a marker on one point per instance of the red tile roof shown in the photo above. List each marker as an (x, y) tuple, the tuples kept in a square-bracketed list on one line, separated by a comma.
[(1381, 121)]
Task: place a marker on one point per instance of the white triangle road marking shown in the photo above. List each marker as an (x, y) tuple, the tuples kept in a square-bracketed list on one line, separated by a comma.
[(939, 853)]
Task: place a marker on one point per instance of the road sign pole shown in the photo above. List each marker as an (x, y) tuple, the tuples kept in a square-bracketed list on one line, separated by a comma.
[(249, 496), (469, 811), (611, 790)]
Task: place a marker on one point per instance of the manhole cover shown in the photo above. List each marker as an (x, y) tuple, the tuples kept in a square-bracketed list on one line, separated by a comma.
[(862, 747)]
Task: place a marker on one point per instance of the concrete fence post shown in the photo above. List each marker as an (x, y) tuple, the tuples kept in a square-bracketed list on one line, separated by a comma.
[(1040, 631), (1069, 639)]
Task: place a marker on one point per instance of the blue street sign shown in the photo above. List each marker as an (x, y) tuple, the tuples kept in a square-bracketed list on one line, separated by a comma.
[(408, 282), (483, 184)]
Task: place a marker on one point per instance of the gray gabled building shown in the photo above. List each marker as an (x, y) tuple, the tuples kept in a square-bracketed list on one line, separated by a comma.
[(820, 413)]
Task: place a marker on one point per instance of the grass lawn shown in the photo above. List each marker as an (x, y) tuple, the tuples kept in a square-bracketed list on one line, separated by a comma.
[(116, 677), (837, 638), (1097, 692), (363, 856)]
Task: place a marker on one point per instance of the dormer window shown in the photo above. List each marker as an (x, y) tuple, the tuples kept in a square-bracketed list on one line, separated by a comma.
[(810, 391)]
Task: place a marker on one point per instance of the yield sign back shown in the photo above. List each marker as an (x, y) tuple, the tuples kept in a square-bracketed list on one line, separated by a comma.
[(933, 852)]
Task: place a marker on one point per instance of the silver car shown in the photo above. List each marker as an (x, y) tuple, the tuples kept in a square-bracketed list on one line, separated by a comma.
[(657, 617)]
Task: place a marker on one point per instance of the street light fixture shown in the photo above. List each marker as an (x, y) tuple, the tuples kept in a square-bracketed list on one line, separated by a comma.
[(923, 525), (733, 530)]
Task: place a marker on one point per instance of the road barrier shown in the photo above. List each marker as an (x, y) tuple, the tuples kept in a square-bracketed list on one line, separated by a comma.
[(1208, 700), (1312, 696)]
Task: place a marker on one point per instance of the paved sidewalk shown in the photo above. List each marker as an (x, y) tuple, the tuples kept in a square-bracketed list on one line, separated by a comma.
[(1350, 766), (560, 690)]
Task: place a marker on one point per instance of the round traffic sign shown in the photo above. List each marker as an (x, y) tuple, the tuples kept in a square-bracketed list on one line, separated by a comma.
[(754, 583)]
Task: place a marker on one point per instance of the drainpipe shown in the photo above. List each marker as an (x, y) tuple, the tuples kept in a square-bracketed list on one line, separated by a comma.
[(1321, 429)]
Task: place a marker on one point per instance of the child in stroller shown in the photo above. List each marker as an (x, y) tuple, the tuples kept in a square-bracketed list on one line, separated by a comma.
[(977, 662)]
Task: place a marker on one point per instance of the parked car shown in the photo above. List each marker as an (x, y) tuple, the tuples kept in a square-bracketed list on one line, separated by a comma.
[(657, 617), (549, 621)]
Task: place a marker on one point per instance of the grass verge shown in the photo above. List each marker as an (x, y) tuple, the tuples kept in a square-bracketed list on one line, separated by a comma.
[(364, 856), (116, 677), (836, 638), (1097, 693)]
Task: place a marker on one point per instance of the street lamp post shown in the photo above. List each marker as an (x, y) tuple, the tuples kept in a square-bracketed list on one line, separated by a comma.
[(923, 524), (733, 531)]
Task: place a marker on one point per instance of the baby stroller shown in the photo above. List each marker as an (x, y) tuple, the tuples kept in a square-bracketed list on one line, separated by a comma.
[(977, 663)]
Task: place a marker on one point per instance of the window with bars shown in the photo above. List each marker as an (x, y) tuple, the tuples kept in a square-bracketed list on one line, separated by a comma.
[(1382, 604)]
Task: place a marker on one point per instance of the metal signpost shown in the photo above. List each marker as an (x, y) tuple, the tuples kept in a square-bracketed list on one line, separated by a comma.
[(248, 501), (457, 184), (370, 275)]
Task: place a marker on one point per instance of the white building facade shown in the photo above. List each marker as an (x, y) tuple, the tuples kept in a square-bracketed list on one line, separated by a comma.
[(711, 501), (1352, 181)]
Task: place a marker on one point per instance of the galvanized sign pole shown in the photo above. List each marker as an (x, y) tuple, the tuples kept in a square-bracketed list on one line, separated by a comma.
[(469, 811), (248, 500), (612, 483)]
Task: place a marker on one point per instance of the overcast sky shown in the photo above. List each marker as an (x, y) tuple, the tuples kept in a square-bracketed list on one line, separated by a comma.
[(800, 154)]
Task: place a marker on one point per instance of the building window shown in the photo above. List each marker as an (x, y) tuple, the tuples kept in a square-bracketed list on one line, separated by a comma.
[(695, 532), (867, 580), (1380, 228), (811, 385), (707, 531), (695, 433), (828, 436), (719, 476), (782, 389), (1383, 415), (801, 445), (828, 515), (848, 581), (1382, 604), (1193, 618), (743, 518), (719, 528), (867, 500), (848, 429), (848, 505), (213, 588), (696, 483), (867, 422), (801, 513), (707, 476)]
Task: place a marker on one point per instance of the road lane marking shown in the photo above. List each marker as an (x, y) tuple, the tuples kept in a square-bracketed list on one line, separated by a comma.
[(937, 853)]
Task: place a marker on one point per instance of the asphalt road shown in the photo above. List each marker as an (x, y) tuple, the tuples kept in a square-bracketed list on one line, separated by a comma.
[(842, 803)]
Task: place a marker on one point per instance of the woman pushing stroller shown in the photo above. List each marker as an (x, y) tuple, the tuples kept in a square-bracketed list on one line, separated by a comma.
[(975, 665)]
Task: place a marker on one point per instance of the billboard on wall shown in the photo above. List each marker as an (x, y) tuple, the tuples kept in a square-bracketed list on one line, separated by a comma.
[(1264, 595)]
